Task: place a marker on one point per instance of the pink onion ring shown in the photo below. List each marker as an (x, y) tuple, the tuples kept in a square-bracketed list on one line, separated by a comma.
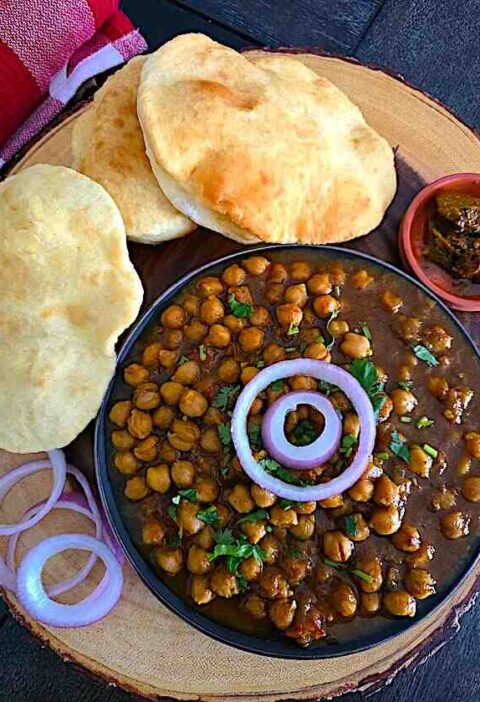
[(301, 457), (322, 371), (58, 464), (98, 604)]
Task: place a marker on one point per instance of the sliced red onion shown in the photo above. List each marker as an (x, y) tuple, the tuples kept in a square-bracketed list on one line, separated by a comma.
[(301, 457), (321, 371), (33, 597), (58, 464)]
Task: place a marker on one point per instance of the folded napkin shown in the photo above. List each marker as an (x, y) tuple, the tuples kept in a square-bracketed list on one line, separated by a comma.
[(48, 48)]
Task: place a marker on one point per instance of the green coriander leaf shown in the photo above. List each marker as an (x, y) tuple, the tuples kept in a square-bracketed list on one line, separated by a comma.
[(277, 385), (350, 525), (424, 422), (365, 330), (325, 387), (290, 349), (173, 541), (260, 364), (189, 494), (172, 512), (269, 528), (242, 582), (405, 384), (225, 396), (257, 516), (255, 436), (209, 516), (430, 450), (225, 434), (304, 433), (296, 552), (424, 355), (382, 456), (183, 359), (274, 468), (365, 372), (224, 536), (360, 574), (320, 339), (293, 329), (399, 447), (287, 504), (239, 309), (377, 402), (348, 442), (202, 352)]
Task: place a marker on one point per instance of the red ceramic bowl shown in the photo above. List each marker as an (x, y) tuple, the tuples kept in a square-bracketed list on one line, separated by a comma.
[(412, 241)]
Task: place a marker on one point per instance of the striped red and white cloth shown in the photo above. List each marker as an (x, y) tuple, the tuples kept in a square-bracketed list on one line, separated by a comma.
[(48, 48)]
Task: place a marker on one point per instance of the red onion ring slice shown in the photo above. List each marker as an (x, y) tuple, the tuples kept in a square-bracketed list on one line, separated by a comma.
[(301, 457), (98, 604), (322, 371)]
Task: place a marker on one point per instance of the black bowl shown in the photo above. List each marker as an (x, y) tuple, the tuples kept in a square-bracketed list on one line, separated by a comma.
[(275, 646)]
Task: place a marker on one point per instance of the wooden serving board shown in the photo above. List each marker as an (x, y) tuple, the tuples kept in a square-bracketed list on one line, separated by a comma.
[(141, 646)]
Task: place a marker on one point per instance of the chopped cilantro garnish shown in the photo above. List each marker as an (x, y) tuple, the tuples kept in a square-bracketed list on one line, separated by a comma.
[(202, 354), (325, 387), (362, 575), (320, 339), (364, 329), (424, 355), (293, 329), (382, 456), (287, 504), (405, 384), (348, 442), (225, 396), (260, 364), (304, 433), (236, 550), (350, 525), (274, 468), (430, 450), (257, 516), (224, 536), (365, 372), (424, 422), (255, 436), (173, 541), (239, 309), (399, 447), (209, 516), (189, 494), (405, 420), (296, 552), (277, 385), (172, 512), (225, 434), (290, 349), (328, 561), (183, 359)]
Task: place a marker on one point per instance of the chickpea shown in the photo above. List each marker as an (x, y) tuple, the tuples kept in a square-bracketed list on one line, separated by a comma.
[(422, 557), (463, 465), (404, 401), (420, 583), (436, 339), (196, 330), (223, 582), (210, 442), (163, 417), (271, 548), (136, 488), (170, 559), (300, 270), (455, 525), (234, 275), (255, 531), (372, 566), (272, 584), (305, 528), (150, 354), (173, 317), (289, 314), (407, 538), (437, 385), (191, 305), (283, 517), (263, 498), (183, 474), (173, 338), (171, 392), (146, 396), (399, 603), (444, 498), (317, 351), (120, 413), (386, 409), (297, 294), (229, 370), (472, 444), (205, 538), (351, 424), (337, 274), (319, 284), (391, 301), (212, 310), (213, 417), (135, 374), (167, 358), (207, 490), (193, 403), (251, 339), (256, 265), (139, 424), (250, 568), (187, 374), (344, 600), (282, 613), (419, 462), (332, 502), (167, 453), (337, 546), (369, 603), (274, 293), (256, 406), (147, 449), (122, 440), (240, 499), (273, 353), (183, 434), (187, 519), (126, 463), (197, 560), (254, 606), (325, 305), (200, 590), (153, 533), (207, 386), (356, 345), (386, 492), (338, 327), (248, 373), (158, 478), (209, 285), (219, 336), (385, 520), (362, 532), (361, 280), (260, 317), (235, 324), (362, 491), (471, 488)]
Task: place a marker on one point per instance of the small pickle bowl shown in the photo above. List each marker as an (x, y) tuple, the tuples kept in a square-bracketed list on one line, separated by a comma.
[(412, 243)]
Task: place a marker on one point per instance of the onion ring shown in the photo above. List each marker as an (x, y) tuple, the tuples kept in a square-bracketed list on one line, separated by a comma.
[(322, 371), (301, 457), (33, 597)]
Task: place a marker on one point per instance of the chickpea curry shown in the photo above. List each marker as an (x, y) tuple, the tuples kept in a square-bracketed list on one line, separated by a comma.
[(312, 570)]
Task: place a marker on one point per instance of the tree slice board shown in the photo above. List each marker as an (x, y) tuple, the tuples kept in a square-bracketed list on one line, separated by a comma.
[(143, 647)]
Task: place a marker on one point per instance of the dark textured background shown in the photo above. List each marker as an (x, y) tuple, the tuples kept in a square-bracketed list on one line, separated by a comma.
[(435, 44)]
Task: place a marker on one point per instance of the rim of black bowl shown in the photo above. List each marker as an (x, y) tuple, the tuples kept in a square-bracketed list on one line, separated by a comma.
[(275, 647)]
